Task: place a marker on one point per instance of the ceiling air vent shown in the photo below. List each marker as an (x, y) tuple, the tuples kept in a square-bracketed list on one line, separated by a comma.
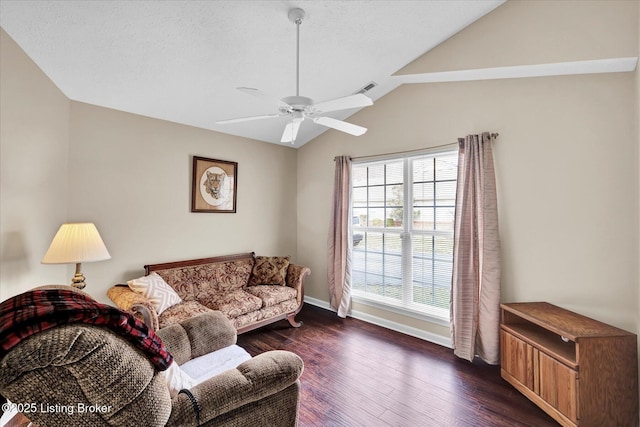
[(368, 87)]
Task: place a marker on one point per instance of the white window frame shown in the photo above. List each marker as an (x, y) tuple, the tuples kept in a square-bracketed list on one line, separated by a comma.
[(405, 307)]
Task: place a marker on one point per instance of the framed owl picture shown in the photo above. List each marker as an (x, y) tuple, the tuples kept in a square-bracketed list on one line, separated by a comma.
[(214, 186)]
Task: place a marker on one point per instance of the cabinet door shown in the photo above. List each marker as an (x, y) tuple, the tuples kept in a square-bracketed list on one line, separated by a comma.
[(558, 385), (517, 358)]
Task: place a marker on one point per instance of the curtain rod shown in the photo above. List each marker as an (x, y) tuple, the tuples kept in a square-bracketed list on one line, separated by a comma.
[(493, 135)]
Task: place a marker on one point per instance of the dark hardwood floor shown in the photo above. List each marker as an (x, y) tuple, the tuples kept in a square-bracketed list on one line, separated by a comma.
[(359, 374)]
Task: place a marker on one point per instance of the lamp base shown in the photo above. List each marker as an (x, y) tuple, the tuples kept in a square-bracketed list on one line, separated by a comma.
[(78, 279)]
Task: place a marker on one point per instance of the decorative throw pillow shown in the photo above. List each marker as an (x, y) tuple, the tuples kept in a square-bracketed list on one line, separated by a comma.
[(159, 293), (177, 379), (269, 271)]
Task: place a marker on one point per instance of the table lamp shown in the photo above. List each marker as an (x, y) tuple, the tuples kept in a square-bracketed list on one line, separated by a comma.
[(76, 243)]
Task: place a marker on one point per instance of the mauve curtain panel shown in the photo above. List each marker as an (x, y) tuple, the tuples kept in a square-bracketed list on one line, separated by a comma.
[(475, 299), (339, 256)]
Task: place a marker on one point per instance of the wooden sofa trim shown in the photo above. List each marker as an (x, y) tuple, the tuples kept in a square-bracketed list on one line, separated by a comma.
[(148, 269)]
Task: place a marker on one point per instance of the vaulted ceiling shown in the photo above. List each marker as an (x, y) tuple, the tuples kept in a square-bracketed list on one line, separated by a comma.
[(183, 60)]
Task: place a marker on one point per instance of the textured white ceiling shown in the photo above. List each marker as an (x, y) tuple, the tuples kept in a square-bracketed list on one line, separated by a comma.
[(182, 60)]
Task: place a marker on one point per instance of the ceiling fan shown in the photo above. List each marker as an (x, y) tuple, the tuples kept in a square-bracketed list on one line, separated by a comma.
[(299, 107)]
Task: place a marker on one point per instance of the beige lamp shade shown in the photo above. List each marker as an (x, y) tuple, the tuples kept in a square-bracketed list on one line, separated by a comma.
[(76, 243)]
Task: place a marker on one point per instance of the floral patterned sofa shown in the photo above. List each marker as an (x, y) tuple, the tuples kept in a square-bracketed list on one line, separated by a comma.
[(251, 291)]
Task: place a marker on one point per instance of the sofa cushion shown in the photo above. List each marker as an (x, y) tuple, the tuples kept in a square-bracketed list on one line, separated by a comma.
[(272, 294), (270, 271), (159, 293), (288, 306), (180, 312), (236, 303), (194, 282)]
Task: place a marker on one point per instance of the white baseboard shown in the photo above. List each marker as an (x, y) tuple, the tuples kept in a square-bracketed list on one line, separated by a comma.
[(394, 326), (318, 303)]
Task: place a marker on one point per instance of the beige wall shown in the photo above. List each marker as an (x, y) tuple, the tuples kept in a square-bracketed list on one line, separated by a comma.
[(526, 32), (131, 175), (567, 172), (34, 134)]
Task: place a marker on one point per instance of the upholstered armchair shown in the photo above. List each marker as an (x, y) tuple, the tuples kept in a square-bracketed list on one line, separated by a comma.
[(86, 375)]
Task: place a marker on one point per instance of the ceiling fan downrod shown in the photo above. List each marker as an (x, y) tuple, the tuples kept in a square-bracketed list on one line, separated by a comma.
[(296, 16)]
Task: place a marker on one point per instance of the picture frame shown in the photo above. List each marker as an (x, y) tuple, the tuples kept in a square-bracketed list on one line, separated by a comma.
[(214, 186)]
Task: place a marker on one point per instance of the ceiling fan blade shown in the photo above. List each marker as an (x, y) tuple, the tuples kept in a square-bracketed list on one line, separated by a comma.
[(246, 119), (291, 131), (340, 125), (344, 103), (264, 95)]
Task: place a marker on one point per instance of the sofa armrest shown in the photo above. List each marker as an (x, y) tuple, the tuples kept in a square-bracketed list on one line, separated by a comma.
[(264, 375), (295, 279), (135, 303), (198, 335)]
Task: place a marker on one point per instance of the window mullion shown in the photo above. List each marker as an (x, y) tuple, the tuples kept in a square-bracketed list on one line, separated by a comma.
[(407, 216), (433, 238)]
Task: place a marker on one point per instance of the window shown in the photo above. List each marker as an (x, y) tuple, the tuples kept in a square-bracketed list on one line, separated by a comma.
[(403, 214)]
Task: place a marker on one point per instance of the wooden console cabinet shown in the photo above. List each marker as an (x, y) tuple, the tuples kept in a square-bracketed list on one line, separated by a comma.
[(580, 371)]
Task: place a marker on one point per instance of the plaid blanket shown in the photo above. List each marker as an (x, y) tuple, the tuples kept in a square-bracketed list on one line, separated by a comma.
[(38, 310)]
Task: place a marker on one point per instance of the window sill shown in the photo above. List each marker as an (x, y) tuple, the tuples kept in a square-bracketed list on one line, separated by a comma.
[(437, 316)]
